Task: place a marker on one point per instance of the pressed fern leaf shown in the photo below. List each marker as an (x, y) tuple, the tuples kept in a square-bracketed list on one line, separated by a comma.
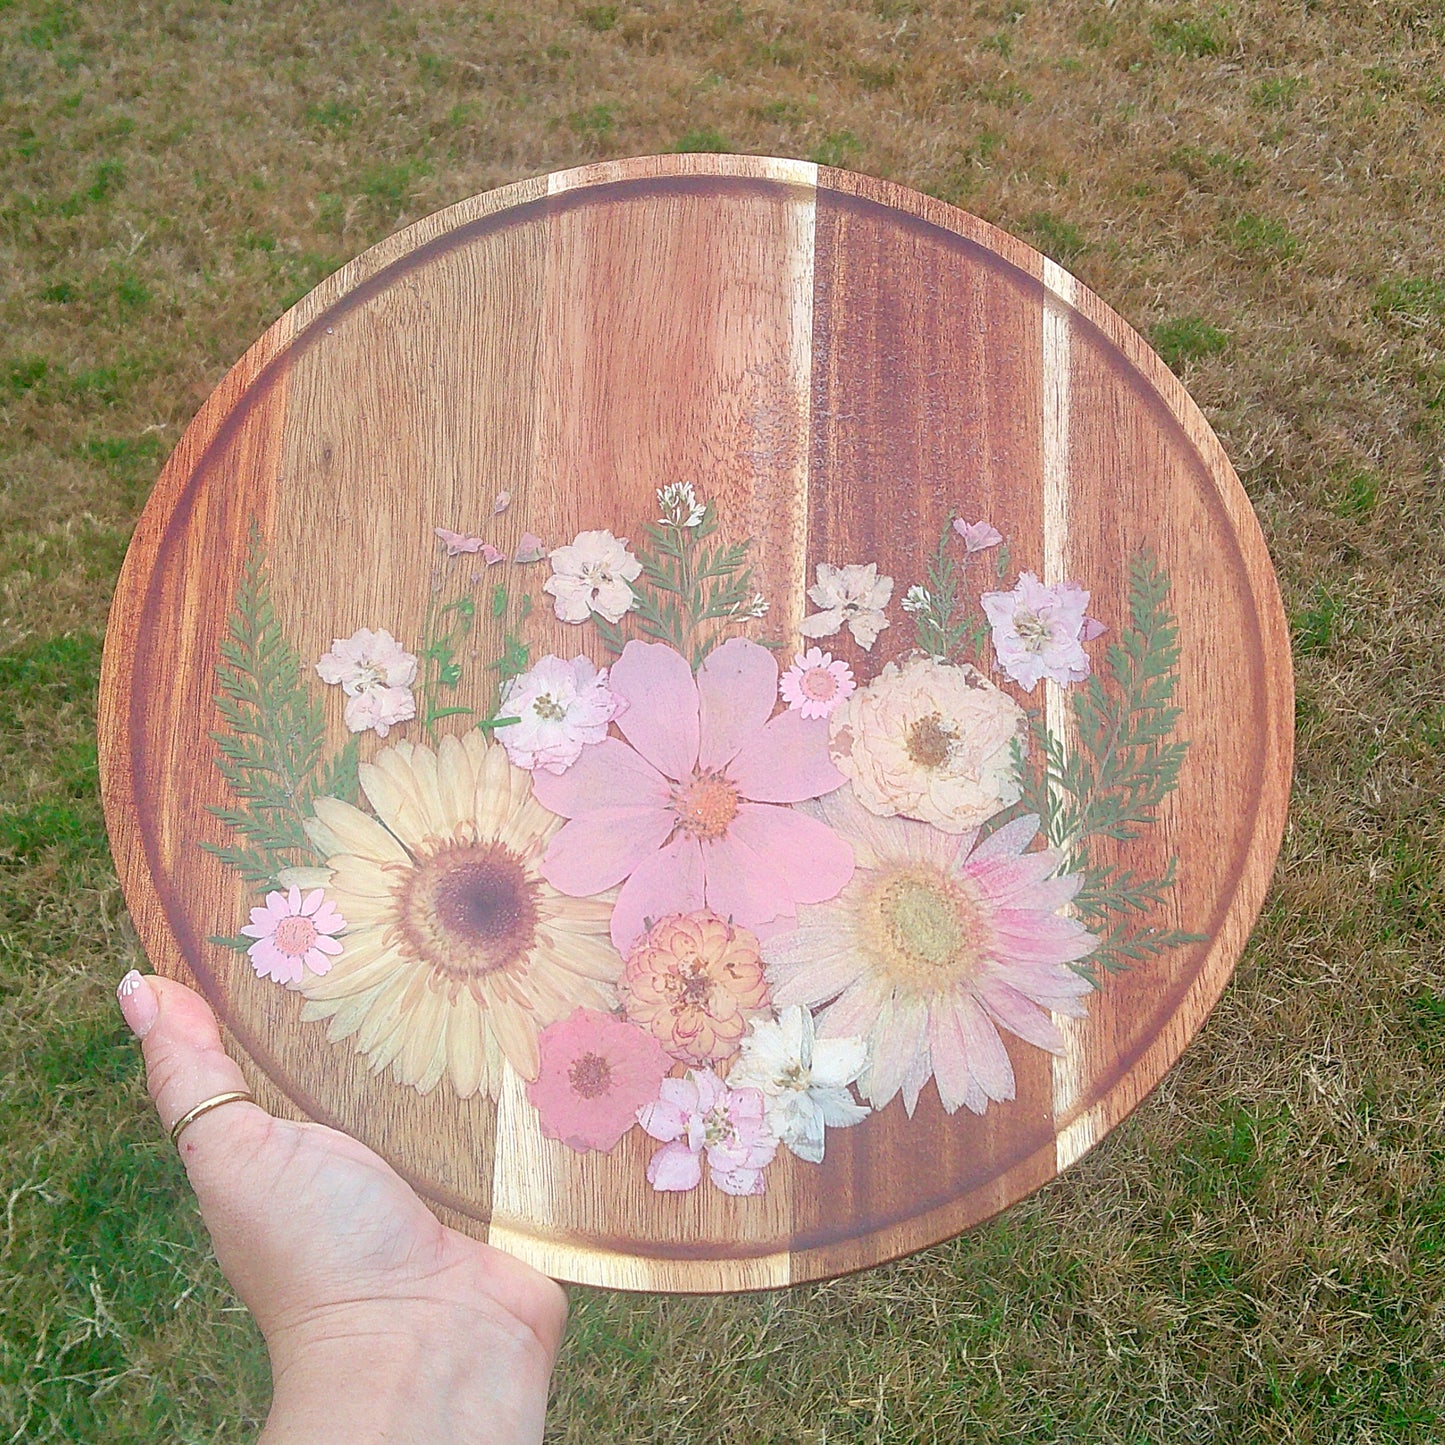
[(1112, 783), (272, 757)]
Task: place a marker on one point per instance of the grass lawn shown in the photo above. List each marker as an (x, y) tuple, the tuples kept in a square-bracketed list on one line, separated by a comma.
[(1259, 1254)]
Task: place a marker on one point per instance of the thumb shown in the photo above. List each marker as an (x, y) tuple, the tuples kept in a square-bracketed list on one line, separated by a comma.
[(186, 1064)]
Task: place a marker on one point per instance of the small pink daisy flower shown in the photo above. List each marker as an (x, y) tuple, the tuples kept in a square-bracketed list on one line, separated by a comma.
[(293, 933), (815, 684)]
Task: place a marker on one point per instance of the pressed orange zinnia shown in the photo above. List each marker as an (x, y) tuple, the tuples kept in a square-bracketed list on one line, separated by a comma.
[(693, 981)]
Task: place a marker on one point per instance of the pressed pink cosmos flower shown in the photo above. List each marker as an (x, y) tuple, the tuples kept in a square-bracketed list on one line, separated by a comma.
[(700, 1115), (689, 813), (694, 981), (815, 684), (293, 933), (597, 1071), (977, 536), (1039, 631), (937, 944)]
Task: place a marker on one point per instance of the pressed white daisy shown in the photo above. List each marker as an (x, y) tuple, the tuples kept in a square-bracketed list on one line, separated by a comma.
[(458, 951), (935, 945)]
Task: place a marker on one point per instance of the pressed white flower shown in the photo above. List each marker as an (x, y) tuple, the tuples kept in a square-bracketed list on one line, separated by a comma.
[(803, 1079), (365, 660), (680, 505), (560, 707), (919, 599), (854, 597), (376, 673), (931, 741), (590, 575)]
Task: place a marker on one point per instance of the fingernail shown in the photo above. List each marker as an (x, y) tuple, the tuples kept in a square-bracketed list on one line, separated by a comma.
[(137, 1003)]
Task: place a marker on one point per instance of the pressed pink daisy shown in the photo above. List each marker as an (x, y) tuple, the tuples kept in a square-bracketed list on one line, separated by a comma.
[(692, 814), (597, 1071), (937, 944), (293, 933), (815, 684)]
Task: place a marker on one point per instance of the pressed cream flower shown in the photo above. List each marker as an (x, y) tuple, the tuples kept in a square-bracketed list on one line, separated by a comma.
[(932, 741), (458, 951), (853, 597)]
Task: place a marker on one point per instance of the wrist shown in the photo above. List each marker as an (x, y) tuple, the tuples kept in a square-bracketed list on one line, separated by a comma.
[(373, 1373)]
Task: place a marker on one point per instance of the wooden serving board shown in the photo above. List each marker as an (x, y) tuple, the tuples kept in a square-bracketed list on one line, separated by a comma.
[(841, 368)]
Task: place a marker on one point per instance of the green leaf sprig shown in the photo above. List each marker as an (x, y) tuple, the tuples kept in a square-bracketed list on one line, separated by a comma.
[(1111, 785), (273, 757), (689, 592)]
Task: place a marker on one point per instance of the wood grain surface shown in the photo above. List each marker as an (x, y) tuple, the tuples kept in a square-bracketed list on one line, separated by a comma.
[(843, 366)]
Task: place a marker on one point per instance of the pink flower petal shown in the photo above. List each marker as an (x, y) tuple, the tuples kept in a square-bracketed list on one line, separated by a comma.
[(598, 850), (1092, 628), (1020, 1015), (1010, 840), (814, 863), (326, 944), (318, 962), (674, 1168), (787, 762), (988, 1060), (607, 775), (740, 884), (670, 881), (312, 902), (661, 720), (737, 686)]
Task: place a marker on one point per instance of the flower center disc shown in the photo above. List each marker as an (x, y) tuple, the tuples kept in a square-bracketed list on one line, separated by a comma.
[(923, 929), (819, 684), (1032, 630), (590, 1076), (469, 909), (294, 935), (705, 806), (930, 744)]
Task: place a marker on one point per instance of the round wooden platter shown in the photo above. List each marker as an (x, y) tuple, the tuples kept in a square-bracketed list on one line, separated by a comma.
[(842, 367)]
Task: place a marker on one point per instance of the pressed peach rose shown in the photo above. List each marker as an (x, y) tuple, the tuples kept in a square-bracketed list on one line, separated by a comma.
[(694, 980)]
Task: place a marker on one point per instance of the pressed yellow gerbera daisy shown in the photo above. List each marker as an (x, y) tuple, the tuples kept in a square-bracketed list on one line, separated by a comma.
[(457, 950)]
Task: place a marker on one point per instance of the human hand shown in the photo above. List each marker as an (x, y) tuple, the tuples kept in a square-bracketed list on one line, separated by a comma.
[(382, 1324)]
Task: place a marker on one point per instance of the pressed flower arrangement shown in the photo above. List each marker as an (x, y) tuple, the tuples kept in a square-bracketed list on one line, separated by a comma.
[(730, 904), (700, 653)]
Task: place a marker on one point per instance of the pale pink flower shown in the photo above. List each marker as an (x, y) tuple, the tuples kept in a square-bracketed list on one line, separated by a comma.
[(365, 660), (596, 1072), (561, 707), (458, 542), (590, 575), (698, 1116), (977, 536), (939, 942), (531, 548), (380, 709), (293, 933), (854, 597), (1038, 630), (815, 684), (503, 501), (689, 814)]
